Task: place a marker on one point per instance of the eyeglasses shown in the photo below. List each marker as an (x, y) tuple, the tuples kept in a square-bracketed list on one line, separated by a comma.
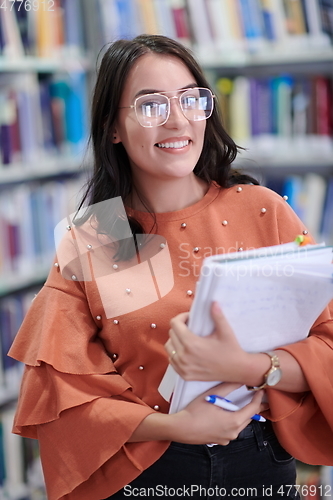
[(153, 110)]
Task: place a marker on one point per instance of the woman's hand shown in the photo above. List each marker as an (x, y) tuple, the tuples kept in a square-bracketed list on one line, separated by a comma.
[(202, 422), (215, 357)]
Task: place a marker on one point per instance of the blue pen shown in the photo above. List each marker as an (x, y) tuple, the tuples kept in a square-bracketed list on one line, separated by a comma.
[(226, 404)]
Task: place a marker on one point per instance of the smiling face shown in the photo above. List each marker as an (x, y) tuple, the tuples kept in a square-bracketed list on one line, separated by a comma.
[(167, 151)]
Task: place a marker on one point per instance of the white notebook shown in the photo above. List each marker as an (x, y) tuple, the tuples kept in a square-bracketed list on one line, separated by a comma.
[(271, 297)]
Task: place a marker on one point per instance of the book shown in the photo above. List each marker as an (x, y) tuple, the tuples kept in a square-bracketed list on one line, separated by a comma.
[(224, 89), (164, 18), (282, 108), (71, 29), (318, 37), (257, 292), (200, 24), (240, 110), (150, 25), (11, 36), (13, 453), (314, 188), (293, 188), (234, 17), (252, 21), (180, 16), (269, 25), (23, 28), (218, 20), (294, 17), (326, 230), (326, 16), (323, 105), (131, 19), (278, 17)]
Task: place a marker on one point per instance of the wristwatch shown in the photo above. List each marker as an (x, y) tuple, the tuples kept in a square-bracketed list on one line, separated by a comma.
[(274, 374)]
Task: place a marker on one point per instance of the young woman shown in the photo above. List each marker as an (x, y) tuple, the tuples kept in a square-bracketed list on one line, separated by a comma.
[(95, 341)]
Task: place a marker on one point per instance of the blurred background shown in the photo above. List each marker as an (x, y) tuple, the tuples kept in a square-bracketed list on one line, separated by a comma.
[(270, 62)]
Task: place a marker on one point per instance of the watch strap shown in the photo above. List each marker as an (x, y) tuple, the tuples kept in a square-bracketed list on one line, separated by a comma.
[(275, 364)]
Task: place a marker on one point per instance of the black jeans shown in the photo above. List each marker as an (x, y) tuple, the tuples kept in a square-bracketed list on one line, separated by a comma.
[(253, 466)]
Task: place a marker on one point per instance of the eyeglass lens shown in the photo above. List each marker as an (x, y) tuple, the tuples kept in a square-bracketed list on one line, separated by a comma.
[(153, 109)]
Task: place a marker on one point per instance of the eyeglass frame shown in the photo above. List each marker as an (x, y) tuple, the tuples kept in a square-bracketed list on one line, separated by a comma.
[(169, 104)]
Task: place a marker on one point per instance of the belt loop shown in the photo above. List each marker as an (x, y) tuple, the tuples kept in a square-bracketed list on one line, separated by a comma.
[(259, 435)]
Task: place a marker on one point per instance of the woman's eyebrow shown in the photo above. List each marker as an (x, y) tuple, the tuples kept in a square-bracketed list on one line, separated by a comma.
[(155, 91)]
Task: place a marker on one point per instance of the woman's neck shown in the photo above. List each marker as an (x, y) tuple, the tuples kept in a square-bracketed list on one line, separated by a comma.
[(168, 196)]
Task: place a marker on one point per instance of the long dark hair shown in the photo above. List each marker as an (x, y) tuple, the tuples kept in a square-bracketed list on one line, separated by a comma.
[(112, 173)]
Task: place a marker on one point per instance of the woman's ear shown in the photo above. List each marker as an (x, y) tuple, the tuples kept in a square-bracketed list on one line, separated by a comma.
[(115, 137)]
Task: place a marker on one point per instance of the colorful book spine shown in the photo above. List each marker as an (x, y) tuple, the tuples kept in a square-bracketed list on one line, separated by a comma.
[(180, 17), (326, 230), (148, 14), (165, 20), (269, 26), (294, 17), (326, 16), (323, 104), (200, 24), (66, 27)]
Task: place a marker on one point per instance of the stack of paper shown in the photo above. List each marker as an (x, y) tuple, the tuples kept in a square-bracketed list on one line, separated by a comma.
[(271, 297)]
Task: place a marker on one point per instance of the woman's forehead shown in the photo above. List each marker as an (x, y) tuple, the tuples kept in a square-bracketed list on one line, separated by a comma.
[(158, 72)]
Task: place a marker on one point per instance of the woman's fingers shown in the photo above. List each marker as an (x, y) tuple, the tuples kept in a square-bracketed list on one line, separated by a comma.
[(254, 406), (243, 416), (175, 344)]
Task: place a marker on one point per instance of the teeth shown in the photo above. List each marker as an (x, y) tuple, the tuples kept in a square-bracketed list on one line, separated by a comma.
[(175, 145)]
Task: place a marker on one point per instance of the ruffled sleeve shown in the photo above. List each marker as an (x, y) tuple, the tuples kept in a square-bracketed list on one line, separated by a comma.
[(74, 401), (303, 422)]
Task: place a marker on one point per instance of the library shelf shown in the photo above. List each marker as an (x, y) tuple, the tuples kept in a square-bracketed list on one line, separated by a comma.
[(48, 167), (44, 65), (34, 276), (213, 59)]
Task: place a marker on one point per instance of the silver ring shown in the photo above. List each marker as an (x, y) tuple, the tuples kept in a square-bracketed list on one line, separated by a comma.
[(173, 353)]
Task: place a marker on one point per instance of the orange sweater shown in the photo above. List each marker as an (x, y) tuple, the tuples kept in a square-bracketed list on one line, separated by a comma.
[(94, 363)]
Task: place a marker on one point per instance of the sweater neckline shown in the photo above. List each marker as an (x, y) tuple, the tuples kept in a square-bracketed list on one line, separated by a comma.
[(207, 199)]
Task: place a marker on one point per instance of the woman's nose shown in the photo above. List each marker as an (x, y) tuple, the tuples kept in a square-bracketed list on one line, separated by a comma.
[(176, 117)]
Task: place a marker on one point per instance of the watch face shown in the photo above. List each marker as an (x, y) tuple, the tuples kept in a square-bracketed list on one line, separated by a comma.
[(274, 377)]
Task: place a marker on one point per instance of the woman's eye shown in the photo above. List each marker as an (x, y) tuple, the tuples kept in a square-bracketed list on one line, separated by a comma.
[(151, 104), (190, 101)]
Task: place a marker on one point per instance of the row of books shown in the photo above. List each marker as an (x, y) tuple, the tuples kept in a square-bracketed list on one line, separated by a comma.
[(272, 113), (42, 117), (244, 25), (311, 197), (52, 29), (256, 25), (29, 214), (41, 28), (21, 476)]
